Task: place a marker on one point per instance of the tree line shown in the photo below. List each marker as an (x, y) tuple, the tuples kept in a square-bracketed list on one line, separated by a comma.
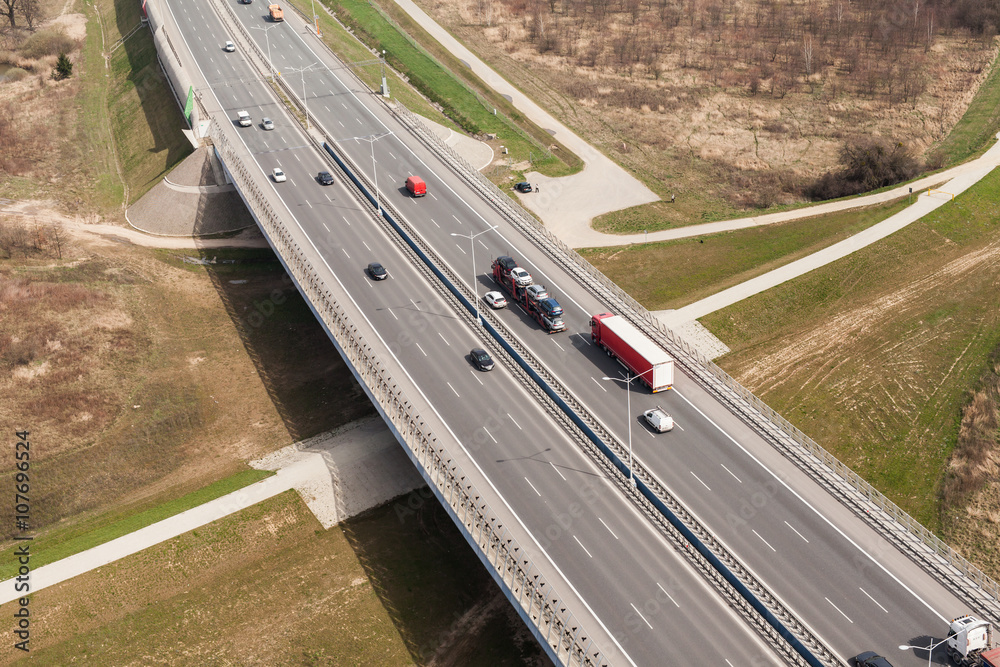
[(769, 46)]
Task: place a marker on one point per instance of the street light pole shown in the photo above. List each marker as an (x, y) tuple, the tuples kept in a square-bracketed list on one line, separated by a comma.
[(267, 39), (302, 71), (929, 649), (371, 138), (628, 402), (472, 246)]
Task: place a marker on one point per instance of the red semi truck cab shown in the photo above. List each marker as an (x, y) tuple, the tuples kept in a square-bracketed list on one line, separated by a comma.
[(416, 186), (621, 340)]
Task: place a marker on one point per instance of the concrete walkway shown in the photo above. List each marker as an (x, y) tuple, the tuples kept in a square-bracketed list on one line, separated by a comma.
[(966, 177), (339, 474), (601, 187)]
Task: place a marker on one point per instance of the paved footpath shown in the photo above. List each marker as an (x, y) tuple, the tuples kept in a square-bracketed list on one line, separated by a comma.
[(339, 474), (601, 187), (965, 178)]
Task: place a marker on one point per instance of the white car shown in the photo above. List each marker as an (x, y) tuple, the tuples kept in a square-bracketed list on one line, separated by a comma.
[(267, 123), (230, 47), (658, 419), (244, 119), (520, 276), (279, 176), (495, 299)]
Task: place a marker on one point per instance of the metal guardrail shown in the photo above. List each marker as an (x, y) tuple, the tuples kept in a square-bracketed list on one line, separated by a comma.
[(484, 528), (937, 558), (667, 513), (727, 573), (555, 625)]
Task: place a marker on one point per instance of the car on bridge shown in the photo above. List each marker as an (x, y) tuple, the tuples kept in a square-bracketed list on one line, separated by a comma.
[(520, 276), (871, 659), (495, 299), (659, 420), (267, 123), (244, 119), (377, 271), (325, 178), (482, 359), (279, 176), (230, 47)]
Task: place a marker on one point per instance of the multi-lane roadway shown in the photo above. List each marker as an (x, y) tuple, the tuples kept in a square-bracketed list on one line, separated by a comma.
[(834, 572)]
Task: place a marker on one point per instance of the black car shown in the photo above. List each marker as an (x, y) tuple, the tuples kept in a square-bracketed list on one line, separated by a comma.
[(245, 2), (507, 263), (524, 186), (870, 659), (482, 359), (325, 177), (377, 271)]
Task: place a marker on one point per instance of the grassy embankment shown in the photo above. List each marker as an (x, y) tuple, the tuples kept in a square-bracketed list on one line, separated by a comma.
[(268, 586), (878, 350), (671, 274)]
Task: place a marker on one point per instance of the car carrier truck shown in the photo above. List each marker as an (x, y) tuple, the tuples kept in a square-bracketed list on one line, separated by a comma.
[(545, 310), (616, 336)]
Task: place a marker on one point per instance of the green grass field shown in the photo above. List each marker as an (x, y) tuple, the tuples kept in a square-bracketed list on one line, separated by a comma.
[(268, 586), (672, 274), (62, 541), (873, 356)]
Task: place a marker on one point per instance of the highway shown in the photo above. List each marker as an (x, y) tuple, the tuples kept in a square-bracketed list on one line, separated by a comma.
[(618, 563), (832, 570)]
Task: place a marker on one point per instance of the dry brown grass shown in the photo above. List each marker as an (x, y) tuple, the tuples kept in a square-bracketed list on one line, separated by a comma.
[(94, 360), (688, 120), (976, 458)]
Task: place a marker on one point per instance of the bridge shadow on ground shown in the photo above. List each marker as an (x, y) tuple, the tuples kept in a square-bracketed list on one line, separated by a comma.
[(305, 377), (444, 603)]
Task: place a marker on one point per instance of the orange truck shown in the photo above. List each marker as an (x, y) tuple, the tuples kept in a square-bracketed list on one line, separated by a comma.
[(416, 186), (276, 13)]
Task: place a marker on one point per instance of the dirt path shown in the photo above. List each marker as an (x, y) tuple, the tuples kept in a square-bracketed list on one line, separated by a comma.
[(43, 213)]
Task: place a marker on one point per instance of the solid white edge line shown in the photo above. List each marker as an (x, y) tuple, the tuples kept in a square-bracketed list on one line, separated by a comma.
[(816, 511)]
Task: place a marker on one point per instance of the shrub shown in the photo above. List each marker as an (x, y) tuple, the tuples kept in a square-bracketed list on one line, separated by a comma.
[(63, 68), (15, 74), (868, 163), (47, 43)]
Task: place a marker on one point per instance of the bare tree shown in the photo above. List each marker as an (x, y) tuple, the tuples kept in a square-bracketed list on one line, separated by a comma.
[(807, 54), (58, 236), (31, 12), (8, 9)]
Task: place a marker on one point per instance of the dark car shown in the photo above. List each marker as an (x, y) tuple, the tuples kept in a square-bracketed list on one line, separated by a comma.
[(377, 271), (507, 263), (325, 177), (482, 359), (871, 659), (245, 2), (523, 186)]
